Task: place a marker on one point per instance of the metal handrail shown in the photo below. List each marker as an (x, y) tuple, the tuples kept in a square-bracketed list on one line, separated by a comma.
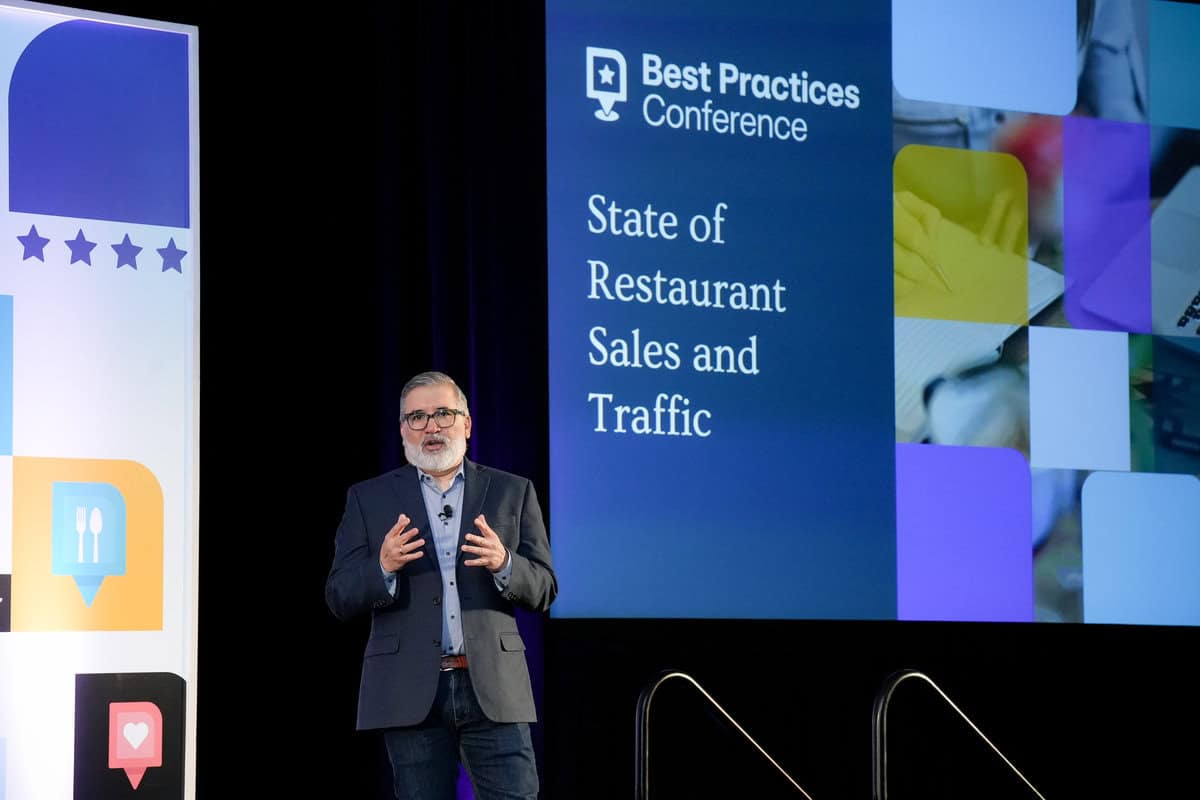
[(879, 732), (642, 742)]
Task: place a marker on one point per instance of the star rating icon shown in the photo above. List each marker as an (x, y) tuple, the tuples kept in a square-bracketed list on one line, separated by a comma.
[(34, 245), (606, 74), (126, 253), (172, 257), (81, 249)]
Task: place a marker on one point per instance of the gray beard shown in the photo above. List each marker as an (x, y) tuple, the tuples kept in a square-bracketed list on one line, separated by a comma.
[(456, 449)]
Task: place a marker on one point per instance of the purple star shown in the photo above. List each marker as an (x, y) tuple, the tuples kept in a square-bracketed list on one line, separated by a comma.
[(172, 257), (81, 248), (34, 244), (126, 253)]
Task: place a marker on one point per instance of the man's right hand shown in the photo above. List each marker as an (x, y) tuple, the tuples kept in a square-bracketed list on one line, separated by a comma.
[(399, 546)]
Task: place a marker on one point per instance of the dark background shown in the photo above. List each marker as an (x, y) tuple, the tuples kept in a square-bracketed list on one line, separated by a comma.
[(373, 205)]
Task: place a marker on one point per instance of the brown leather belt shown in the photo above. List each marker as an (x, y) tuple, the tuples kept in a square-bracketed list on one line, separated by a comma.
[(453, 662)]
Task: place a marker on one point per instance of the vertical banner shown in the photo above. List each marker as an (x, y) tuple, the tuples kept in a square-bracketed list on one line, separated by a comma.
[(720, 309), (98, 402)]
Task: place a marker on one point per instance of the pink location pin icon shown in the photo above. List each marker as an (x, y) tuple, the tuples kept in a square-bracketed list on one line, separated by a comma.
[(134, 738)]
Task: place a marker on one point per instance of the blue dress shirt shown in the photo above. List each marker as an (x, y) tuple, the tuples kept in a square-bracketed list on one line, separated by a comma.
[(445, 528)]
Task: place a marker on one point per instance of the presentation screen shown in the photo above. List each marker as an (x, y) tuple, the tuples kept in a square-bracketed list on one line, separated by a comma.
[(875, 309), (99, 267)]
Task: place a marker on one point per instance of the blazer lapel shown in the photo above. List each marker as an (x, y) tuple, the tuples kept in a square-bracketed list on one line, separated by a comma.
[(475, 486), (411, 502)]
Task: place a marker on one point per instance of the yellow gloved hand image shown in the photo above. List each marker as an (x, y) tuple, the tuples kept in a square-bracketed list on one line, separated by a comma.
[(915, 225), (959, 236), (1004, 224)]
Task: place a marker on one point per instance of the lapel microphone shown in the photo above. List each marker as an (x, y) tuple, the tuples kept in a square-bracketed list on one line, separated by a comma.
[(447, 513)]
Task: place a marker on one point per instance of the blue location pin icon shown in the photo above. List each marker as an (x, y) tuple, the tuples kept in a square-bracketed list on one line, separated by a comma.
[(87, 534)]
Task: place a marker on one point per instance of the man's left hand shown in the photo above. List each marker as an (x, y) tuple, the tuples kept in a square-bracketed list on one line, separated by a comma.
[(487, 546)]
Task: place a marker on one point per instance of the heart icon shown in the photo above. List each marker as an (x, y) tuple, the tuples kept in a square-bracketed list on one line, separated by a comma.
[(135, 733)]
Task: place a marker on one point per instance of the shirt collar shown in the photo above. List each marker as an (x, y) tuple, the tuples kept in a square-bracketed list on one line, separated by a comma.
[(425, 477)]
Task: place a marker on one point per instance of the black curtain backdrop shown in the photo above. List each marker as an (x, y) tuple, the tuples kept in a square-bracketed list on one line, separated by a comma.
[(373, 205)]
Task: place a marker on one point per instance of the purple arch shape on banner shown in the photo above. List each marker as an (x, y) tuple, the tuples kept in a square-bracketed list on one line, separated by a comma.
[(98, 125)]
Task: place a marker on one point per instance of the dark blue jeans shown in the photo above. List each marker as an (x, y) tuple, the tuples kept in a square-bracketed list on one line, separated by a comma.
[(498, 756)]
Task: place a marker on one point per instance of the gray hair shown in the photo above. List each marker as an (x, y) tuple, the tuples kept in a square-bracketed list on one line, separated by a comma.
[(433, 379)]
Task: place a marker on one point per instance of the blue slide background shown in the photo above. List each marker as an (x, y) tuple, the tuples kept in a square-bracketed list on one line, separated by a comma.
[(788, 509)]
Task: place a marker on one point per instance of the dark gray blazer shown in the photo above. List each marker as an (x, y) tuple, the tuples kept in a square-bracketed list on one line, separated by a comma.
[(400, 665)]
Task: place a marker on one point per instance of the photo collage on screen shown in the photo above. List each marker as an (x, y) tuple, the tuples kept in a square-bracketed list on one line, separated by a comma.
[(1047, 311)]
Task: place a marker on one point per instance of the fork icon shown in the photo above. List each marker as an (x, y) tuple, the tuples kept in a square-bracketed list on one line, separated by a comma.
[(80, 526)]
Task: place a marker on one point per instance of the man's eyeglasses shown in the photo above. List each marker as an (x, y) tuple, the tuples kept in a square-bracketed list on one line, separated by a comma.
[(419, 420)]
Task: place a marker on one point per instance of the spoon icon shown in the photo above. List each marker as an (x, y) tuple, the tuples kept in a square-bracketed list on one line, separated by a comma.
[(96, 524)]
